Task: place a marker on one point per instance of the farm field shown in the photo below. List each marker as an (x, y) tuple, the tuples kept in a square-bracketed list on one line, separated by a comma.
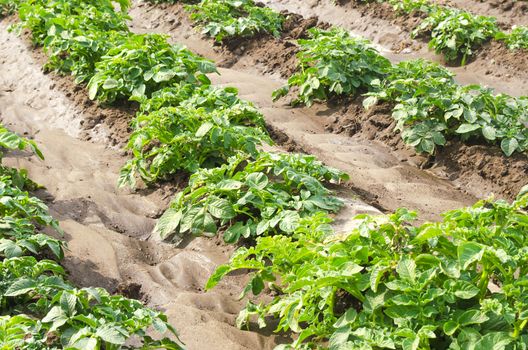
[(325, 175)]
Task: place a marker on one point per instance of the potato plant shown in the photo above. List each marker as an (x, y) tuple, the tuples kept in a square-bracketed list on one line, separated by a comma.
[(172, 139), (456, 33), (455, 284), (332, 64), (143, 64), (516, 39), (247, 198), (222, 19), (430, 108)]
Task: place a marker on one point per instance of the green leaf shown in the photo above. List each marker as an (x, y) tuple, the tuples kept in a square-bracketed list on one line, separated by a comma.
[(289, 221), (489, 132), (20, 286), (257, 180), (407, 269), (217, 276), (110, 334), (465, 290), (221, 209), (110, 84), (347, 318), (233, 233), (469, 252), (509, 146), (168, 223), (450, 327), (494, 341), (68, 302), (466, 128), (204, 129)]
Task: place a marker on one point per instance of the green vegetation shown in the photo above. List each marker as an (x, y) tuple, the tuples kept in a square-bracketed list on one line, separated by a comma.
[(456, 33), (222, 19), (516, 39), (143, 64), (40, 309), (205, 127), (251, 197), (458, 284), (8, 7), (332, 63), (430, 107)]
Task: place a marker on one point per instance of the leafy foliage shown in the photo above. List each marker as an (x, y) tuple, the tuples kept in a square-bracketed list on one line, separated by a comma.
[(430, 107), (332, 64), (235, 18), (8, 7), (456, 33), (457, 284), (46, 311), (251, 197), (409, 6), (516, 39), (143, 64), (209, 126)]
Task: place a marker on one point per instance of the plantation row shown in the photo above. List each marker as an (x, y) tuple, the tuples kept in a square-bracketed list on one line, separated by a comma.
[(459, 283), (456, 33), (39, 308), (428, 106)]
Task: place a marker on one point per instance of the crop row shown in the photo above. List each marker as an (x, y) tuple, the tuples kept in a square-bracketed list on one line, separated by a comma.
[(39, 308), (456, 33), (428, 106), (453, 32), (455, 284)]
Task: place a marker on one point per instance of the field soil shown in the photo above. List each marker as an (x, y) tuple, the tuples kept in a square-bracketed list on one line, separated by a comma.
[(108, 230)]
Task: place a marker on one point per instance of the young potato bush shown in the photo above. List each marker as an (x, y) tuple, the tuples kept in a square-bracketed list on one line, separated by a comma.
[(516, 39), (431, 107), (456, 33), (455, 284), (251, 197), (235, 18), (188, 138), (143, 64), (331, 64)]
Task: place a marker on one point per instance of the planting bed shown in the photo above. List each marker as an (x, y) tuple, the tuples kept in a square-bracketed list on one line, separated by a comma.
[(159, 241)]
